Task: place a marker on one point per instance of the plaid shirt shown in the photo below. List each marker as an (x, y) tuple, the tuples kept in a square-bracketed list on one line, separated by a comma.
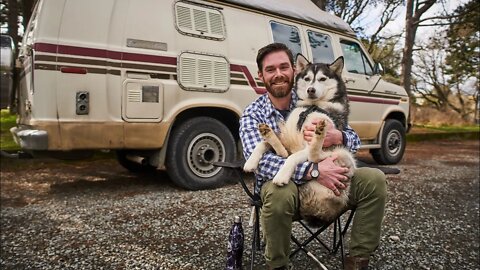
[(262, 111)]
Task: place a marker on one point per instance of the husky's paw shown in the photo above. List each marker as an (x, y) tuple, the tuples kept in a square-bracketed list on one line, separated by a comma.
[(320, 128), (264, 129), (249, 166), (281, 180)]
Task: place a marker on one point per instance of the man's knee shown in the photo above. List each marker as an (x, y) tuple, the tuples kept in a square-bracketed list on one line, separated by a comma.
[(371, 181), (279, 200)]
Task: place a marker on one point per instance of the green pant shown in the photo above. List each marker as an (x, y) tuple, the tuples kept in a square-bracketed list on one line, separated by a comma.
[(368, 193)]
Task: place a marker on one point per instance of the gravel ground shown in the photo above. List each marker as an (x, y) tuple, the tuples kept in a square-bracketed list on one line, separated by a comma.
[(96, 215)]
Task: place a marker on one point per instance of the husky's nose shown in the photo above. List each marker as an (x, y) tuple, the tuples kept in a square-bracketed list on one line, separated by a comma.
[(311, 91)]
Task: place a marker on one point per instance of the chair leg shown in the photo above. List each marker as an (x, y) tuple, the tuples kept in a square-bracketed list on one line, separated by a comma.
[(255, 237), (254, 247)]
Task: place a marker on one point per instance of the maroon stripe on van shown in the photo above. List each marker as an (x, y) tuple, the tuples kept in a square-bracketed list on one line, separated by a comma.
[(100, 53), (373, 100), (251, 81)]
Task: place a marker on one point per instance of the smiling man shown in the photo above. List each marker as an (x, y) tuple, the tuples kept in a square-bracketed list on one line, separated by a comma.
[(280, 204)]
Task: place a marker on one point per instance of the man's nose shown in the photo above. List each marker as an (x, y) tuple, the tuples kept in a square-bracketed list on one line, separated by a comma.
[(311, 90)]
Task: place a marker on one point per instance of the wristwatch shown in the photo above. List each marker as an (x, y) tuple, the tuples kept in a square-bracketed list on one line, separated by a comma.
[(314, 173)]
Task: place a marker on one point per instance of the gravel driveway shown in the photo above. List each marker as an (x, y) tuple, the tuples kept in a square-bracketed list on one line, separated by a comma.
[(96, 215)]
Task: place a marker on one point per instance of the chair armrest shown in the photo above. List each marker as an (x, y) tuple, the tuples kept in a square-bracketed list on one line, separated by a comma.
[(237, 167)]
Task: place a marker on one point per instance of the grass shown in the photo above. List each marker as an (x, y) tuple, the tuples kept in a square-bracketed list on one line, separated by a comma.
[(7, 121), (473, 128)]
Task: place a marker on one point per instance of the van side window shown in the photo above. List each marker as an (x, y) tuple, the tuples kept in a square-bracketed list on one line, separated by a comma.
[(321, 46), (199, 21), (355, 60), (288, 35)]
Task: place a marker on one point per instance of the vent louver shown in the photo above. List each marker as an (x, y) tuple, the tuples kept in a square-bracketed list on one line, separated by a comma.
[(200, 21), (203, 72)]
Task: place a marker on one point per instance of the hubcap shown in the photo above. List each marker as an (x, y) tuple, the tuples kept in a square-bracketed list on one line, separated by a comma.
[(204, 149), (394, 142)]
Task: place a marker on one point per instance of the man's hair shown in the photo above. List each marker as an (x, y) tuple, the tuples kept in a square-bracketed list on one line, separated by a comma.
[(273, 47)]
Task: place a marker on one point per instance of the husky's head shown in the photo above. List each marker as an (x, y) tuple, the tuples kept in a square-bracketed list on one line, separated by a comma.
[(319, 82)]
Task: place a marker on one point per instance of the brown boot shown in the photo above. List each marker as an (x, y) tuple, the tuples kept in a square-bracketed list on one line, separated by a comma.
[(356, 263)]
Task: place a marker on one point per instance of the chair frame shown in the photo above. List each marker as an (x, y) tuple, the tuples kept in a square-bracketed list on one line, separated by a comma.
[(255, 201)]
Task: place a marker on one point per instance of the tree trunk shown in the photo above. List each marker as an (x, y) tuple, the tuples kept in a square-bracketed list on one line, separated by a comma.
[(13, 22), (407, 61), (320, 3), (27, 12)]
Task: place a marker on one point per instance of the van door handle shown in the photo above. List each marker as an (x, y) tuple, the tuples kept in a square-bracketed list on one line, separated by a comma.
[(348, 79)]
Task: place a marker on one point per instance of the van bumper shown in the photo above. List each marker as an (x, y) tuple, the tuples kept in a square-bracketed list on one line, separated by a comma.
[(30, 139)]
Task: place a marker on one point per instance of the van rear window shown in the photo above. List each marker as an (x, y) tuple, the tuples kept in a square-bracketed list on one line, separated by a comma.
[(288, 35)]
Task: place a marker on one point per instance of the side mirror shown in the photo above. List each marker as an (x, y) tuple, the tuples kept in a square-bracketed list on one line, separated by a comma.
[(378, 69)]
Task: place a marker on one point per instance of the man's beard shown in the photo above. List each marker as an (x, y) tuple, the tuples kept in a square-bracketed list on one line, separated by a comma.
[(279, 91)]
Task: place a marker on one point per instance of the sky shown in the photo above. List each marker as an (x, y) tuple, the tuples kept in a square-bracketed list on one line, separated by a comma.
[(397, 25)]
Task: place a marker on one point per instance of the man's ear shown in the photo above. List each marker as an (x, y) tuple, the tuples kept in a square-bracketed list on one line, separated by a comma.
[(337, 66), (260, 76), (300, 63)]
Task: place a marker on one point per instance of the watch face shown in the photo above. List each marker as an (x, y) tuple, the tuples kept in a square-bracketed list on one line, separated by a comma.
[(314, 173)]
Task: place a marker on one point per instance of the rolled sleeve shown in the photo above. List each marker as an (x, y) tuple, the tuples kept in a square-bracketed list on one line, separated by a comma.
[(351, 139)]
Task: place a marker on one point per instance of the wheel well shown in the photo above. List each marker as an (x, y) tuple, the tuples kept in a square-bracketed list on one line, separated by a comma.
[(397, 116), (227, 117)]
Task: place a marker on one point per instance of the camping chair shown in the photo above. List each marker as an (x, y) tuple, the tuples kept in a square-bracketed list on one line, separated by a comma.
[(339, 231)]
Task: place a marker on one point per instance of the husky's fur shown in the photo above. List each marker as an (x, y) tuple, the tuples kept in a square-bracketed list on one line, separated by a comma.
[(320, 85)]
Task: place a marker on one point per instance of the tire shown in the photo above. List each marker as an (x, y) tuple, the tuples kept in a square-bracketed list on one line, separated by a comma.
[(132, 166), (193, 145), (392, 145)]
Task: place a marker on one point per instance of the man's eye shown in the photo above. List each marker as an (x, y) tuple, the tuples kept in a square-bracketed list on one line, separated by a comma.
[(322, 79)]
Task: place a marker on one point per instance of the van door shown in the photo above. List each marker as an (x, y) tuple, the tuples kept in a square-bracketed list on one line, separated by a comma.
[(366, 109)]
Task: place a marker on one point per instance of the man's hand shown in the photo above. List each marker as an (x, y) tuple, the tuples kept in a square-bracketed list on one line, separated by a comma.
[(333, 136), (331, 175)]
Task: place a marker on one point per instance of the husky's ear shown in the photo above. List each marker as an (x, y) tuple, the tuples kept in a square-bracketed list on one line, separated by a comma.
[(300, 63), (337, 66)]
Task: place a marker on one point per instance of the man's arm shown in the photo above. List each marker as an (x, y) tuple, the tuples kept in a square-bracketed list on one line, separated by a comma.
[(270, 163)]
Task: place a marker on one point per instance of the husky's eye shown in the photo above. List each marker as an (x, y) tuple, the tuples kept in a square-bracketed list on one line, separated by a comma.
[(307, 79), (322, 79)]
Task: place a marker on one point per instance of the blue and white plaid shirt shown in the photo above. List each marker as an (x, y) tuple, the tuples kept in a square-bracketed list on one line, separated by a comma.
[(263, 111)]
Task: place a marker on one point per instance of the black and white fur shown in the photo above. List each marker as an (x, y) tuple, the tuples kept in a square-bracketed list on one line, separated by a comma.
[(320, 85)]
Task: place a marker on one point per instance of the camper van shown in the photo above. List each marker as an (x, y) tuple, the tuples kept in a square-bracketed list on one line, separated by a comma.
[(163, 83)]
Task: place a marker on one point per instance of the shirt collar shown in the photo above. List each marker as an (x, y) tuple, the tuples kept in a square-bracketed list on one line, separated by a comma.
[(270, 109)]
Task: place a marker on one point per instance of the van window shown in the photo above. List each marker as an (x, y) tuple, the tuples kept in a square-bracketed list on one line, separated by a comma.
[(288, 35), (321, 46), (355, 60)]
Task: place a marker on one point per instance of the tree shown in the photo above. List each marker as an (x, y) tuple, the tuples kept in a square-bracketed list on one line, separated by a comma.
[(433, 83), (14, 11), (464, 50)]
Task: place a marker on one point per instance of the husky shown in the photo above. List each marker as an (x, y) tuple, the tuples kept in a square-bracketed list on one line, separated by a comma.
[(322, 95)]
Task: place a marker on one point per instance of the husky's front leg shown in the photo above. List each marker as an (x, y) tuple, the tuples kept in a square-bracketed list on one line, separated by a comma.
[(252, 161), (315, 149), (284, 174), (271, 138)]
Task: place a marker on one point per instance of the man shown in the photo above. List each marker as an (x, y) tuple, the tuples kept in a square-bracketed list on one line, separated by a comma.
[(280, 204)]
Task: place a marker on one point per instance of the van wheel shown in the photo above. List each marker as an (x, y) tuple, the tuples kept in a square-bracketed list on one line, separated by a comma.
[(193, 146), (132, 166), (392, 145)]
